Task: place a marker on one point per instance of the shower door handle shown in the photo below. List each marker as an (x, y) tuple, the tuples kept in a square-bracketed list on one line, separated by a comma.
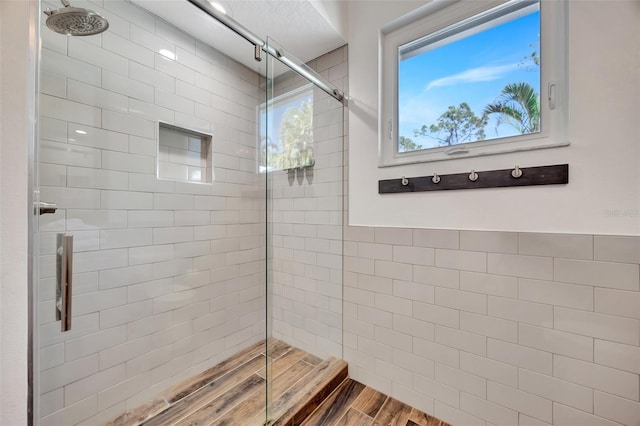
[(46, 208), (64, 279)]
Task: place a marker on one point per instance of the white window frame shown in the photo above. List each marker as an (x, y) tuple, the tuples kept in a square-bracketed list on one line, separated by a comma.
[(441, 14)]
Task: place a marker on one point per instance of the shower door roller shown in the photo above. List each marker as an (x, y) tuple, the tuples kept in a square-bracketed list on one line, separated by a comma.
[(64, 279)]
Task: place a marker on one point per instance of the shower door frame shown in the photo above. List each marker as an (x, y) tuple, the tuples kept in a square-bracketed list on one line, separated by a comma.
[(33, 199)]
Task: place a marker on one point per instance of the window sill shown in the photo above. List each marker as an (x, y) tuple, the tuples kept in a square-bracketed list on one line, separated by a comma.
[(457, 152)]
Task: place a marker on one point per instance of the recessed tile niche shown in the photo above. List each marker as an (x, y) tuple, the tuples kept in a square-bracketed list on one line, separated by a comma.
[(184, 155)]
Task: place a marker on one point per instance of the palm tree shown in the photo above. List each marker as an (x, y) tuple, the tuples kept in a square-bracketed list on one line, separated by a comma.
[(518, 106)]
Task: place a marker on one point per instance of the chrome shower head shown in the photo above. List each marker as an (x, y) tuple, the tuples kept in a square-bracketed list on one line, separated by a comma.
[(75, 21)]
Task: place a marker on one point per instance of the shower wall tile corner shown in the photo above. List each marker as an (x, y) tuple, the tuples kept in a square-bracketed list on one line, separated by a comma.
[(504, 328), (169, 276)]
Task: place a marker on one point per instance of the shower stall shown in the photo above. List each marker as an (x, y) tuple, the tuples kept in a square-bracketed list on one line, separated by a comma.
[(189, 209)]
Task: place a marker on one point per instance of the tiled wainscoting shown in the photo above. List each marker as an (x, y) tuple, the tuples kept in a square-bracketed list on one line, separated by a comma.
[(496, 328), (169, 275)]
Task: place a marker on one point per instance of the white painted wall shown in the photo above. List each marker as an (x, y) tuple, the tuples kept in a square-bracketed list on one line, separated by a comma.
[(14, 70), (603, 195), (334, 12)]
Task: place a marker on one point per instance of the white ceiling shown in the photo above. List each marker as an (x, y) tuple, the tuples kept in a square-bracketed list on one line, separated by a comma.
[(301, 27)]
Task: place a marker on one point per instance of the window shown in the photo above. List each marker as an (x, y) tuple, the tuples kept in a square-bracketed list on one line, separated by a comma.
[(470, 78), (286, 142)]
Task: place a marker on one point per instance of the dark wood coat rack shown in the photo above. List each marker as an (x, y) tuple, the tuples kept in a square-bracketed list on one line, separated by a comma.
[(525, 176)]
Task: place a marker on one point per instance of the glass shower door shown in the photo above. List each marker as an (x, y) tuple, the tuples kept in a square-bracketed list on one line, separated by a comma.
[(265, 149), (148, 150), (303, 150)]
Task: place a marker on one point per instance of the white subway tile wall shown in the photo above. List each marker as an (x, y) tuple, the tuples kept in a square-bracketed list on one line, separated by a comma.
[(169, 276), (306, 216), (495, 328)]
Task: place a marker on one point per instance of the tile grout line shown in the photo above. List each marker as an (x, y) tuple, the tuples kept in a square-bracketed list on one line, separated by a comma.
[(359, 411), (381, 405)]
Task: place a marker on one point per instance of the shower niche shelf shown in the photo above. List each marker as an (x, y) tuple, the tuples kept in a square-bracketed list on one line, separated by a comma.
[(184, 155)]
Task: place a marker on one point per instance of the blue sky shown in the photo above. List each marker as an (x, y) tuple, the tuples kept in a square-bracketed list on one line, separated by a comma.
[(472, 70)]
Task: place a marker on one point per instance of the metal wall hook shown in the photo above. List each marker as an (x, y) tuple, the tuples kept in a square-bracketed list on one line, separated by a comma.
[(516, 173), (405, 181), (473, 176), (435, 178)]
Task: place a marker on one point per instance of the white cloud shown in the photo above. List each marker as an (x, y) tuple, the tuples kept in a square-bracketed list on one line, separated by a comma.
[(473, 75)]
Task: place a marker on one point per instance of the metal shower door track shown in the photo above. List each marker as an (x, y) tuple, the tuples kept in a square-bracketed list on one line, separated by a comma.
[(245, 33)]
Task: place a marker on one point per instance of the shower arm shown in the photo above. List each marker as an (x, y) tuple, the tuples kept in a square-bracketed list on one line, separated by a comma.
[(245, 33)]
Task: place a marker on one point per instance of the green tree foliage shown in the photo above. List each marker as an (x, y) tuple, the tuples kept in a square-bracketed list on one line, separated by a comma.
[(405, 145), (296, 136), (296, 140), (456, 125), (518, 106), (531, 62)]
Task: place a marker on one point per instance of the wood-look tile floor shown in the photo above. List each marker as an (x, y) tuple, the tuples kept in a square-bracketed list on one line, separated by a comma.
[(304, 390), (234, 392), (354, 404)]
